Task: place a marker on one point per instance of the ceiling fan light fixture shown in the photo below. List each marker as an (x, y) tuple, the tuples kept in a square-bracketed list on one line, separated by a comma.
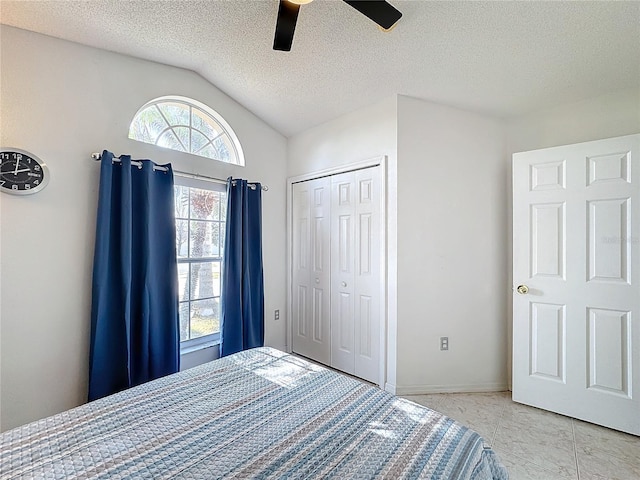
[(388, 29), (379, 11)]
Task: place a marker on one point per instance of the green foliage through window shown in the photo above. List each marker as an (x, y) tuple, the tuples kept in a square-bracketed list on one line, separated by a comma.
[(200, 229), (185, 125)]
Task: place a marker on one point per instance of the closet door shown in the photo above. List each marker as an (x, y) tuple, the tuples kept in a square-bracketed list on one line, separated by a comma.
[(367, 274), (343, 227), (355, 273), (311, 269)]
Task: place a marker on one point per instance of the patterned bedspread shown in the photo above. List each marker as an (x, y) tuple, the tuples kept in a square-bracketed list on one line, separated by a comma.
[(256, 414)]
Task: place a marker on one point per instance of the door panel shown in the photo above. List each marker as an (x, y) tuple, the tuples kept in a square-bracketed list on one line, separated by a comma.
[(576, 246), (367, 274), (609, 352), (344, 327), (548, 240), (366, 324), (311, 269), (342, 272), (319, 315), (302, 311), (547, 330), (609, 258), (607, 168)]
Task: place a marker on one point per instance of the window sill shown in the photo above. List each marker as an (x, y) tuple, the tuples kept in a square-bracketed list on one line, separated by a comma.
[(201, 346)]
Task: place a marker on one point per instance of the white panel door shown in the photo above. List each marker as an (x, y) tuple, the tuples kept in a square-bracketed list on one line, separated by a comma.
[(343, 227), (367, 244), (576, 269), (355, 273), (311, 275)]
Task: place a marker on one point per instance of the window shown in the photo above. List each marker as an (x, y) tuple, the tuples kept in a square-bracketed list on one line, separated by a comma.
[(186, 125), (200, 210)]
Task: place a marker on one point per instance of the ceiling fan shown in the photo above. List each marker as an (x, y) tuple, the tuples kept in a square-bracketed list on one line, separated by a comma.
[(380, 11)]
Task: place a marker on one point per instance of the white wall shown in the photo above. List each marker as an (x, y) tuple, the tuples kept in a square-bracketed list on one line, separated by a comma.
[(447, 225), (612, 115), (366, 133), (452, 265), (63, 101)]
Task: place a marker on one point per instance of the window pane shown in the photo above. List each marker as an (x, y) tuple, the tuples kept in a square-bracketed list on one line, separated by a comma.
[(215, 239), (202, 122), (204, 204), (223, 207), (222, 148), (205, 279), (216, 274), (182, 236), (183, 281), (142, 131), (215, 214), (198, 141), (223, 232), (205, 317), (147, 125), (183, 135), (184, 321), (181, 201), (175, 113), (169, 140), (199, 236), (202, 239), (208, 152)]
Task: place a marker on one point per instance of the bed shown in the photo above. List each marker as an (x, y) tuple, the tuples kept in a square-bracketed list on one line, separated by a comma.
[(260, 413)]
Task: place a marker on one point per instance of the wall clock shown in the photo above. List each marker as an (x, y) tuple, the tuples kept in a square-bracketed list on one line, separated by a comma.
[(21, 172)]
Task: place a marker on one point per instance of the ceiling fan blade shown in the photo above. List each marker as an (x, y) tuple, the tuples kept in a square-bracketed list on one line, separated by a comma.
[(380, 11), (285, 25)]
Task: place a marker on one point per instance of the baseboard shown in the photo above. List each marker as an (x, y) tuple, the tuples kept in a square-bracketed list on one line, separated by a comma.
[(462, 388), (391, 388)]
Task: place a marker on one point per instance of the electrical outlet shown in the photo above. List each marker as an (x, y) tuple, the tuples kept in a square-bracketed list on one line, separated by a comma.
[(276, 315), (444, 343)]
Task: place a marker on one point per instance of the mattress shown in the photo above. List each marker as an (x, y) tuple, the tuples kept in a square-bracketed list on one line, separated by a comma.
[(257, 414)]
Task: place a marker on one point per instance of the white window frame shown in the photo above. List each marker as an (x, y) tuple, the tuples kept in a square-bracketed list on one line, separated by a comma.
[(213, 118), (214, 338)]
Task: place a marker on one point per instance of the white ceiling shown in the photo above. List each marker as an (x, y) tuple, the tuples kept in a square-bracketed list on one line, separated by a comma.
[(498, 58)]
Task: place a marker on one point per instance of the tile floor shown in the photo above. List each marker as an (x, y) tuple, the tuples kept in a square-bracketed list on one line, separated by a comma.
[(537, 445)]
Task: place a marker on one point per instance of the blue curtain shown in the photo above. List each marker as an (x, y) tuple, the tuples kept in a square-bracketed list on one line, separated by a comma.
[(134, 311), (242, 324)]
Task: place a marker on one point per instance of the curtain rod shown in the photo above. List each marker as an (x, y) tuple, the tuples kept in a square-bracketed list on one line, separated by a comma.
[(97, 156)]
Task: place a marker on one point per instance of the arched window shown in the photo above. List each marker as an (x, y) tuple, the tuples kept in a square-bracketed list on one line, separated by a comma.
[(186, 125)]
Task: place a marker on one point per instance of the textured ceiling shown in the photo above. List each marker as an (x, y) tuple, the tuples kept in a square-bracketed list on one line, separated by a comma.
[(498, 58)]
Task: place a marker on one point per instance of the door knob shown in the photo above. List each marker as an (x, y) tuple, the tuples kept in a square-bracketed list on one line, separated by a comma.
[(317, 280), (522, 289), (344, 284)]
